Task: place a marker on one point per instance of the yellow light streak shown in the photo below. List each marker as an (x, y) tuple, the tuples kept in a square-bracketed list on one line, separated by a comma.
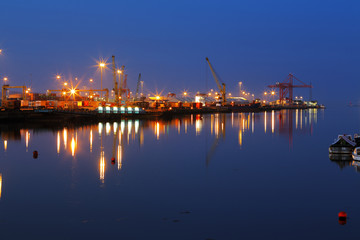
[(65, 137), (119, 157), (73, 146), (272, 121), (27, 138), (102, 166), (265, 121), (58, 143), (0, 184), (5, 145), (157, 130), (91, 140)]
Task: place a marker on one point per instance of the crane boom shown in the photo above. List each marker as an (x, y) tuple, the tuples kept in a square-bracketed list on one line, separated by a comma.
[(115, 81), (222, 86)]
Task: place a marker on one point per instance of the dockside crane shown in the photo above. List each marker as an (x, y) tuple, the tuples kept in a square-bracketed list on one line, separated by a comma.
[(116, 90), (222, 86)]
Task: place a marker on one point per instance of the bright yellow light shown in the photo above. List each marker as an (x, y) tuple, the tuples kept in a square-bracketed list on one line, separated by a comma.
[(229, 94), (5, 78), (0, 184), (102, 64), (28, 89), (265, 93), (185, 93), (5, 145), (63, 93), (157, 97), (272, 92), (58, 76), (91, 80), (209, 93), (102, 166), (243, 92), (0, 51), (73, 147), (58, 143), (72, 91), (65, 83), (119, 71)]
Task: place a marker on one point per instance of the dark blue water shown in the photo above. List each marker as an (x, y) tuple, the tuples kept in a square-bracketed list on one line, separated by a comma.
[(231, 176)]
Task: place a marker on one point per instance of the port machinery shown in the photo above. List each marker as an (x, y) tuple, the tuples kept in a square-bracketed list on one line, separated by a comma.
[(286, 87), (217, 80)]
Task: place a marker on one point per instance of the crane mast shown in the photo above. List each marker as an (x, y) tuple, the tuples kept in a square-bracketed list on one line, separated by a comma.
[(116, 90), (220, 86)]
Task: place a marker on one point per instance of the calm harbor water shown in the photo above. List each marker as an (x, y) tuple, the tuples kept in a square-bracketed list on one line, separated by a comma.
[(220, 176)]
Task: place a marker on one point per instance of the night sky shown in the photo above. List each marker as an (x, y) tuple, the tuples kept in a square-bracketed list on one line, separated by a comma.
[(256, 42)]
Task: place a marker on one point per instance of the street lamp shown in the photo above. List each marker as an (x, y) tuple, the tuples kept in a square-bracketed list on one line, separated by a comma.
[(101, 65), (240, 83), (58, 77), (5, 79), (119, 72)]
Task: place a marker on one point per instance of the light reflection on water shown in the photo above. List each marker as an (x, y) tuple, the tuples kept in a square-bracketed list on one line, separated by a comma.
[(225, 164), (281, 122)]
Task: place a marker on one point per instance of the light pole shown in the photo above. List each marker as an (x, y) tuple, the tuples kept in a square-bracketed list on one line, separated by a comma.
[(102, 65), (240, 83), (273, 94), (121, 72)]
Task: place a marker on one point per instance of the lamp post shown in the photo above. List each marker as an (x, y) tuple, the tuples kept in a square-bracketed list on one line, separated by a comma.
[(102, 65), (120, 83), (240, 83), (273, 94)]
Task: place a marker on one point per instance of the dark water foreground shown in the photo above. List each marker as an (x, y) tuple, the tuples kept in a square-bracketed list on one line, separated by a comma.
[(214, 176)]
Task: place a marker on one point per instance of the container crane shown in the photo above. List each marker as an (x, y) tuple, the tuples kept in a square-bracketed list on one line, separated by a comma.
[(222, 86)]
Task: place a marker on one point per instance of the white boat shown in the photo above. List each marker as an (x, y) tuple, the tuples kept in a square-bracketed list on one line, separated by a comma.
[(356, 154)]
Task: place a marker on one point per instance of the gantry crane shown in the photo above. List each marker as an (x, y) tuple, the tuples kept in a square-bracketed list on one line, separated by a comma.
[(6, 87), (222, 86), (116, 90), (286, 88)]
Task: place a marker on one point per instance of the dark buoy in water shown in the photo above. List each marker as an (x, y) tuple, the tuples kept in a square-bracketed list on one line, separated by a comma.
[(342, 218), (113, 160), (35, 154)]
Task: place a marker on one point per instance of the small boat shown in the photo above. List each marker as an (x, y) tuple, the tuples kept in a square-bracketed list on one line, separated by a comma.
[(344, 144), (356, 154)]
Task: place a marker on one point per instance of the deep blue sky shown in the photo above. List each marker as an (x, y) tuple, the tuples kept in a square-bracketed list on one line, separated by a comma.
[(256, 42)]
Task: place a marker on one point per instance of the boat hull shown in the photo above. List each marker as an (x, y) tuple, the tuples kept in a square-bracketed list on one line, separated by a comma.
[(340, 150)]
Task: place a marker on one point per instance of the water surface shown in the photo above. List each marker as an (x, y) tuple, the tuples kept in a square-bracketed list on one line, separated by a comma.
[(216, 176)]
